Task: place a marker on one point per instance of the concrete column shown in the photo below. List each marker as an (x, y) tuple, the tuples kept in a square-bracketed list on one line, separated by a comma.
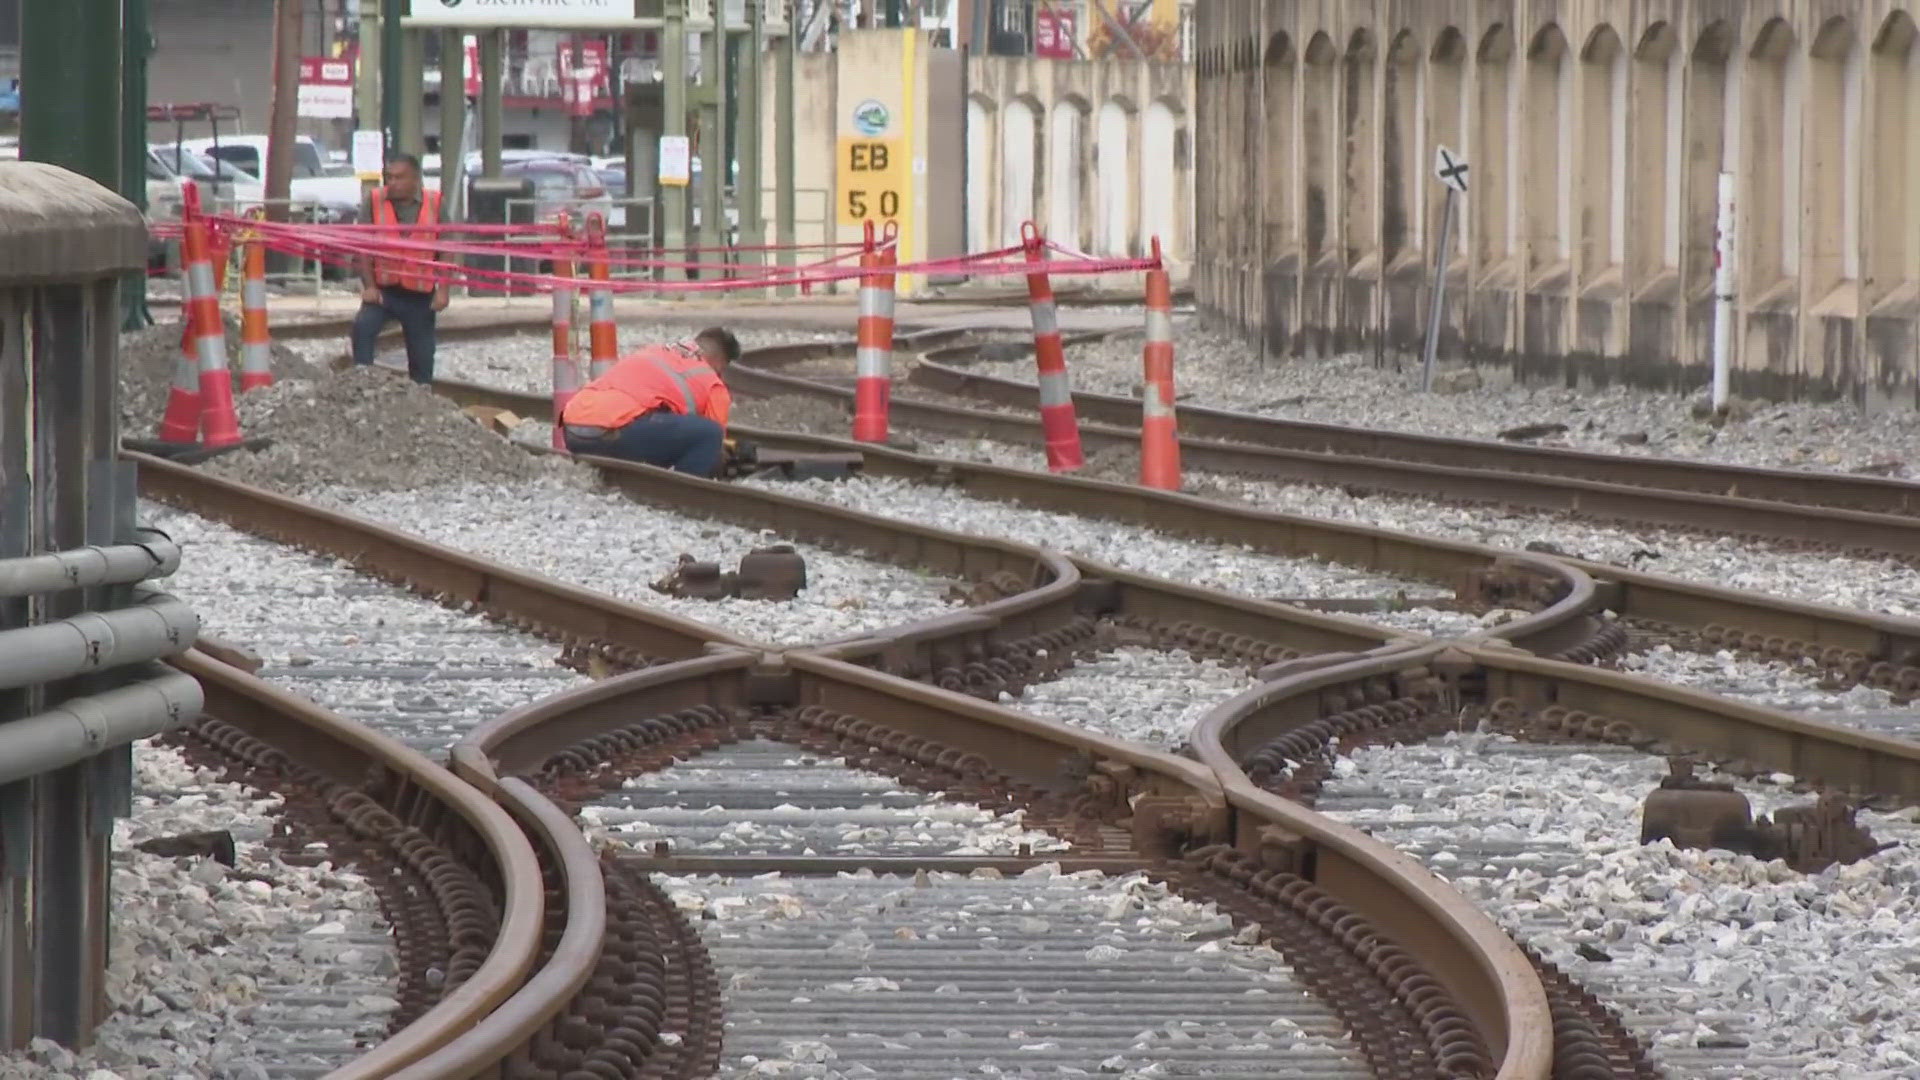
[(673, 64), (411, 133), (785, 178), (748, 134)]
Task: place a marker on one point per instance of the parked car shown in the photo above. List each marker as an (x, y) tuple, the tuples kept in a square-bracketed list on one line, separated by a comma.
[(338, 196)]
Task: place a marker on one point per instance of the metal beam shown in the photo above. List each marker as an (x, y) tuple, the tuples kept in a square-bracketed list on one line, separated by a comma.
[(70, 112), (784, 178), (412, 89), (390, 13), (715, 83), (749, 134), (492, 60), (673, 121), (136, 45), (453, 119)]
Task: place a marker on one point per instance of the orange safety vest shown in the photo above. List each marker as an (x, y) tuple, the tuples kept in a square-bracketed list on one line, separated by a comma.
[(671, 377), (406, 275)]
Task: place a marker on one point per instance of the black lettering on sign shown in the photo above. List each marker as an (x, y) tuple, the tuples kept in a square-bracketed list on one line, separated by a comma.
[(867, 157)]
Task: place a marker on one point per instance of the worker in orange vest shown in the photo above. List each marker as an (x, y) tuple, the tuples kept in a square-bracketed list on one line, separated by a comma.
[(665, 405), (403, 291)]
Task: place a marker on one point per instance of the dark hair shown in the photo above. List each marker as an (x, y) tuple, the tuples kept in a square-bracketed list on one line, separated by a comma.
[(403, 158), (729, 345)]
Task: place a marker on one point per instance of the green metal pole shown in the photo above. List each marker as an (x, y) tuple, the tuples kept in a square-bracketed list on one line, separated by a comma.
[(70, 113), (367, 101), (784, 179), (714, 158), (673, 122), (390, 75), (491, 60), (748, 135), (136, 45), (453, 103)]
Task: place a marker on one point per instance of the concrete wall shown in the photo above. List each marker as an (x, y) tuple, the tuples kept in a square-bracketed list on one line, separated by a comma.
[(1098, 154), (1596, 130)]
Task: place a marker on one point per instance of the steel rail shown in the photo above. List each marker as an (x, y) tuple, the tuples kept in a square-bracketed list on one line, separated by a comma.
[(1171, 806), (1833, 490), (421, 794)]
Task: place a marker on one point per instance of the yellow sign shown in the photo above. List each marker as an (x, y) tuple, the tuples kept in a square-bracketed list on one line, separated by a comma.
[(873, 176)]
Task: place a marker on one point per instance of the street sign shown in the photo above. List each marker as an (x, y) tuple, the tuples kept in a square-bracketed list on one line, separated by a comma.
[(326, 88), (1451, 171), (872, 177), (676, 161)]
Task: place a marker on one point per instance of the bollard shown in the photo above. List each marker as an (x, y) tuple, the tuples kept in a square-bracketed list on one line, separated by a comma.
[(566, 372), (222, 426), (603, 337), (256, 344), (1159, 443), (1058, 425), (181, 423), (873, 385)]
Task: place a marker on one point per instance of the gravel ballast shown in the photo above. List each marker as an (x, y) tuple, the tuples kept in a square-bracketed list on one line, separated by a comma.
[(147, 360), (1138, 694), (1223, 370), (607, 543), (247, 972), (370, 652), (1883, 586), (1727, 966), (1220, 566)]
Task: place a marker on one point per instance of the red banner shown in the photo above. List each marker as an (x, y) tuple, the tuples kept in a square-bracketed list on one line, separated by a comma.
[(584, 78), (1053, 33)]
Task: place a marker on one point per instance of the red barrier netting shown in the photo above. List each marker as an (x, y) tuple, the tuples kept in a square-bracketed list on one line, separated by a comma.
[(445, 256)]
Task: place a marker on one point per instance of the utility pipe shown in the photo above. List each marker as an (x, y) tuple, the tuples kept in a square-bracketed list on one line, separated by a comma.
[(159, 625), (84, 726), (1723, 294), (88, 567)]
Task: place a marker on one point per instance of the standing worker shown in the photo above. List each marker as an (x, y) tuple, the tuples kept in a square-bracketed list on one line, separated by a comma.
[(665, 405), (404, 291)]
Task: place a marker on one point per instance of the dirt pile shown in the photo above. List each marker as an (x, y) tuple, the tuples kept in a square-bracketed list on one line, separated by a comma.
[(370, 429), (147, 357)]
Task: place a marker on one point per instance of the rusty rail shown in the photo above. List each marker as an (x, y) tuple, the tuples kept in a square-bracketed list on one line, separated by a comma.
[(1832, 490), (450, 816)]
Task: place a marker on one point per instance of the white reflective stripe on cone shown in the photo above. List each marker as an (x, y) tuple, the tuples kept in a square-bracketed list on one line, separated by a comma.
[(870, 299), (1045, 319), (213, 354), (563, 306), (870, 362), (256, 356), (1054, 389), (1155, 404), (1159, 325), (253, 294), (199, 280), (601, 306), (186, 373), (566, 375)]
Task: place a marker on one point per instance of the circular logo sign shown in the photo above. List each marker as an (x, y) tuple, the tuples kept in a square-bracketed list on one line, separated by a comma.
[(870, 117), (450, 3)]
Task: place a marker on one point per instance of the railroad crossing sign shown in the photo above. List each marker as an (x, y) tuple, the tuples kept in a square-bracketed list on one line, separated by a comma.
[(1451, 170)]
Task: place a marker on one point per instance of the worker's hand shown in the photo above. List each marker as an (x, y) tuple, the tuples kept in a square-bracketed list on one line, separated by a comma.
[(370, 294), (440, 299)]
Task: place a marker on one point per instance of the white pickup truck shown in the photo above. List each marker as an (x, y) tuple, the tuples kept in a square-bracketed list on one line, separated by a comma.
[(338, 198)]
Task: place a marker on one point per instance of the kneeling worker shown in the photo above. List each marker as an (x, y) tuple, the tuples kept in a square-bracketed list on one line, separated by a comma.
[(665, 405)]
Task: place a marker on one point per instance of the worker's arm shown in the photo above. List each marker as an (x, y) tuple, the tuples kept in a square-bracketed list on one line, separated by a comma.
[(718, 406)]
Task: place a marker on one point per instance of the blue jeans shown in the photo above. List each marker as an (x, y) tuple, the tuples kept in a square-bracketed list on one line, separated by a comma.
[(414, 311), (688, 444)]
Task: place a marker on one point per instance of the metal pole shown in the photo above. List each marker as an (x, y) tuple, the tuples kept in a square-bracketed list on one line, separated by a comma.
[(413, 92), (492, 48), (673, 122), (135, 46), (1439, 301), (749, 135), (368, 103), (714, 158), (1723, 286), (390, 79), (783, 149), (453, 117), (70, 87)]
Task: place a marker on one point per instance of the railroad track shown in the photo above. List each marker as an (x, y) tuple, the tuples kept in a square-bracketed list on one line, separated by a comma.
[(1853, 646), (619, 971)]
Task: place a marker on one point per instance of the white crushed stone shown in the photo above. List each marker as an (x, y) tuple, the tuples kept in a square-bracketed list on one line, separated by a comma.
[(399, 663), (1230, 567), (827, 978), (1730, 967), (1142, 695), (605, 542), (1882, 586), (1216, 368), (204, 958)]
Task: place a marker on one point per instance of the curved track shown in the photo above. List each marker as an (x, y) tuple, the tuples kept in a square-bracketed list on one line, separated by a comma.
[(597, 971)]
